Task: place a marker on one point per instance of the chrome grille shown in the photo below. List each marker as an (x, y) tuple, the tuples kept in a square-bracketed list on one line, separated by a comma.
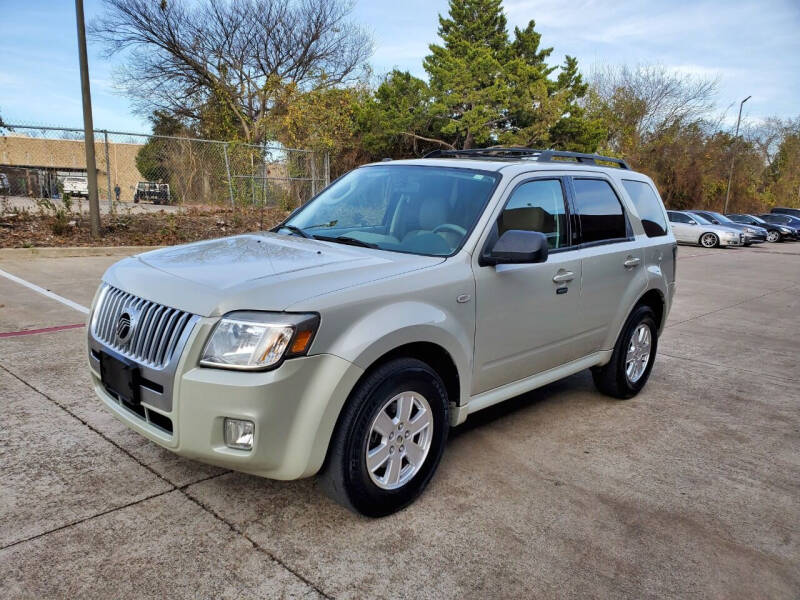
[(155, 331)]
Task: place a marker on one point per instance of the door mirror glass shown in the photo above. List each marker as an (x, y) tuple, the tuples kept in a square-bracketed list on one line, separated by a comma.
[(517, 246)]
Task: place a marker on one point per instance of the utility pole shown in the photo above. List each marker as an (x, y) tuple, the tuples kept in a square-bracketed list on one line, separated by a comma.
[(733, 157), (88, 125)]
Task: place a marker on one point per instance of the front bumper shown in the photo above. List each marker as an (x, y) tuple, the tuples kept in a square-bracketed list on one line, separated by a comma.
[(754, 238), (731, 241), (294, 409)]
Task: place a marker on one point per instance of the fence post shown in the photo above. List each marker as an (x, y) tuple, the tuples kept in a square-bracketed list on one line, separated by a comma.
[(313, 156), (108, 174), (327, 169), (228, 170)]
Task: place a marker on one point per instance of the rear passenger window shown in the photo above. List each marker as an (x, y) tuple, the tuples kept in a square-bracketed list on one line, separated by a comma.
[(537, 206), (599, 211), (648, 206)]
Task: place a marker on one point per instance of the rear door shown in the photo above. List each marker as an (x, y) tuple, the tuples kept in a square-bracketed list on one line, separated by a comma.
[(613, 267)]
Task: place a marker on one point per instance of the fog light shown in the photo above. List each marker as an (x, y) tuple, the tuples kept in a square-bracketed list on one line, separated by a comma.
[(239, 434)]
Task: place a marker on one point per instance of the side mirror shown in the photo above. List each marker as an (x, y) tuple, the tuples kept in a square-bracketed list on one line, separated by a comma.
[(692, 222), (516, 246)]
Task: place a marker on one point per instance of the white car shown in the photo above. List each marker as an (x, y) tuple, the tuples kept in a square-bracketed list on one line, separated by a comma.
[(691, 228), (76, 186)]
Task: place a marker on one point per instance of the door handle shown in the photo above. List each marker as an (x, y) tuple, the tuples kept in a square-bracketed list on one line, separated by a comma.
[(631, 261), (563, 276)]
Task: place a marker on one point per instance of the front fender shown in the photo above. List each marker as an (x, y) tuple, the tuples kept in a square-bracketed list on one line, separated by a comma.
[(388, 327)]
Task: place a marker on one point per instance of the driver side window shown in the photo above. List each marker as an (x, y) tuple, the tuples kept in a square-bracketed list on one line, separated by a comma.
[(537, 205)]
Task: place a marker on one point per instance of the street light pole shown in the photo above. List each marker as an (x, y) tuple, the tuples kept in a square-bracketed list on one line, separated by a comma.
[(88, 125), (733, 157)]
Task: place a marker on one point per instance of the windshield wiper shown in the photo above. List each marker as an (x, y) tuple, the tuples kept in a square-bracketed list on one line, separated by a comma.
[(297, 231), (344, 239), (319, 225)]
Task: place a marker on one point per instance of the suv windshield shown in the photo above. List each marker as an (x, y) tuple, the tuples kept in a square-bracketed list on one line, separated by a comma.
[(404, 208)]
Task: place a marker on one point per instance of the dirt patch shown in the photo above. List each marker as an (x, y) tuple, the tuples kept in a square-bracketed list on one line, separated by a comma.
[(57, 226)]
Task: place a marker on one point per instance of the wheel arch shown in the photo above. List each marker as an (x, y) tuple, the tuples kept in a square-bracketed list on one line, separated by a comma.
[(434, 355), (654, 298)]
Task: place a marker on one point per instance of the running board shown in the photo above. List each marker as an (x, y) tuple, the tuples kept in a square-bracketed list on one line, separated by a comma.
[(515, 388)]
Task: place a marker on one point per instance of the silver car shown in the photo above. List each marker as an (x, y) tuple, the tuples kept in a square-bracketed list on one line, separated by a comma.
[(691, 228), (403, 298)]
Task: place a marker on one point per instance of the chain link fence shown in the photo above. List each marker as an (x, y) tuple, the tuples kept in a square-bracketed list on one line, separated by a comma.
[(50, 162)]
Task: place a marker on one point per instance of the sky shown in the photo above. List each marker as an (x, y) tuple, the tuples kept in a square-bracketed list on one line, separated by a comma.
[(752, 48)]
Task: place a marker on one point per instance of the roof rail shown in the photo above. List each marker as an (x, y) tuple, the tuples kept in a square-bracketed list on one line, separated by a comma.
[(527, 154)]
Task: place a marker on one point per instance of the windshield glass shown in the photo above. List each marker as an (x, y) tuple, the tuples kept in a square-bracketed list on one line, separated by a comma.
[(405, 208), (758, 219), (700, 219), (720, 217)]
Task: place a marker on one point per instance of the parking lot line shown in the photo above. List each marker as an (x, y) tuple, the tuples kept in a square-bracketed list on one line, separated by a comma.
[(44, 292), (42, 330)]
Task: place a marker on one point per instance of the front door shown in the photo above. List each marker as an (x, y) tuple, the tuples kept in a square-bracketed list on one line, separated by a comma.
[(526, 313), (684, 228)]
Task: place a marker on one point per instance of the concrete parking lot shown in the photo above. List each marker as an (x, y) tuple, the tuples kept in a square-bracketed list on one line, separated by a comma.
[(691, 489)]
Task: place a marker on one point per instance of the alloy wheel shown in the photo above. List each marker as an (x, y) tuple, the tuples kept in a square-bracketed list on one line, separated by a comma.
[(638, 355), (709, 240), (399, 440)]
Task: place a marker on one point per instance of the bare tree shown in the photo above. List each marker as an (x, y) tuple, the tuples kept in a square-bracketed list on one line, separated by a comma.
[(192, 58), (647, 100)]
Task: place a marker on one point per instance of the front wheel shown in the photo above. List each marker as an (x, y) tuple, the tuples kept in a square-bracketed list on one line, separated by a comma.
[(773, 236), (389, 439), (709, 240), (634, 353)]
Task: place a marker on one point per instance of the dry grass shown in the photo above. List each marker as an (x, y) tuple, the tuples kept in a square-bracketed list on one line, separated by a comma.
[(56, 226)]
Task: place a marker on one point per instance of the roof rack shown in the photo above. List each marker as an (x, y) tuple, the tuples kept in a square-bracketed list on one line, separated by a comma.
[(528, 154)]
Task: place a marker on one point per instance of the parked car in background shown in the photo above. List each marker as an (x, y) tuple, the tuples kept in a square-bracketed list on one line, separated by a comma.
[(152, 191), (790, 226), (5, 186), (694, 229), (76, 186), (752, 234), (774, 233), (403, 297), (795, 212)]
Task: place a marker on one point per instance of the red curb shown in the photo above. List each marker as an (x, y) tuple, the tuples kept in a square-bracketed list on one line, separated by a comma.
[(43, 330)]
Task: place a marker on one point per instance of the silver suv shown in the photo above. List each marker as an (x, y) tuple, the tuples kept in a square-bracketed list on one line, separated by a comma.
[(404, 297)]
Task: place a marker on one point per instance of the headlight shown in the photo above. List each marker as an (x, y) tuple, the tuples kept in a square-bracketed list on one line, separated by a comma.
[(748, 230), (252, 341), (785, 230)]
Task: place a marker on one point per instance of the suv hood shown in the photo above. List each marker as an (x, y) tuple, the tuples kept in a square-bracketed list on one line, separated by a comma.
[(263, 271)]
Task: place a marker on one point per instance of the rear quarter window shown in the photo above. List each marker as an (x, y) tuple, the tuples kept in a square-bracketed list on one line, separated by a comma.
[(648, 206)]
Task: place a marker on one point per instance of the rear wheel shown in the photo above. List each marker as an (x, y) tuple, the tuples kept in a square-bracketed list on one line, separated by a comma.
[(389, 439), (634, 353), (773, 235), (709, 240)]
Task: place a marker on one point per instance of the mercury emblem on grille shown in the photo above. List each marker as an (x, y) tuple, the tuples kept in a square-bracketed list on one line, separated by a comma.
[(125, 326)]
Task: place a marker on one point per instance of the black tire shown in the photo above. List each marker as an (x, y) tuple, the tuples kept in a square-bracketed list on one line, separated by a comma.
[(345, 477), (611, 379)]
